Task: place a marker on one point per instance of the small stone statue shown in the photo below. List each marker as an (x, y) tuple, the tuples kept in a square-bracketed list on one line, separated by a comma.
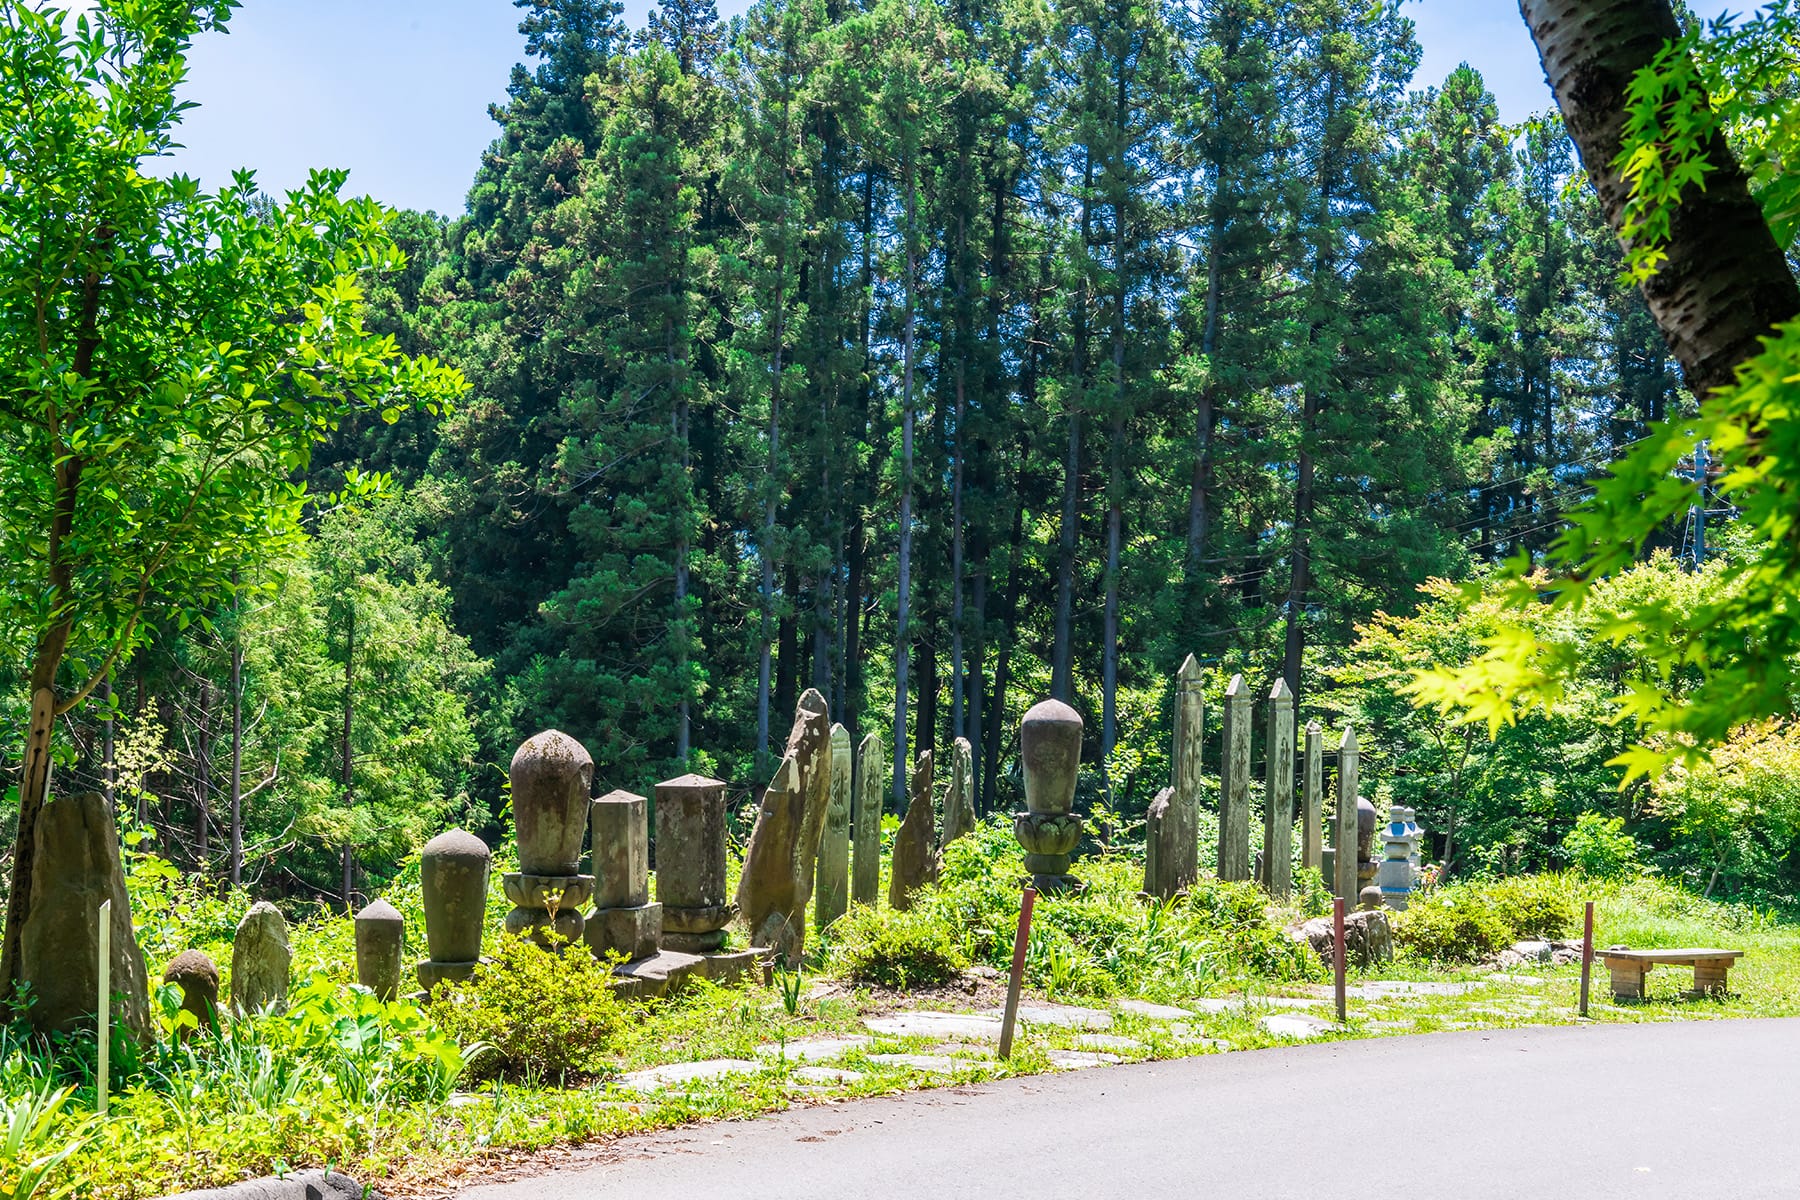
[(552, 779), (1049, 829), (453, 873)]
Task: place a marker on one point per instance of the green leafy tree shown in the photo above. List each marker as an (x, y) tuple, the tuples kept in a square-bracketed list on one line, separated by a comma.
[(168, 358)]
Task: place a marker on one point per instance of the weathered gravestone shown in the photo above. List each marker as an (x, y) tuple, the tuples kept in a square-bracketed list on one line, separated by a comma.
[(915, 860), (1312, 791), (779, 866), (690, 864), (624, 920), (1049, 830), (552, 781), (260, 960), (453, 874), (1344, 883), (871, 770), (1278, 798), (1178, 830), (380, 948), (1161, 846), (959, 801), (1234, 783), (833, 890), (75, 869), (195, 973)]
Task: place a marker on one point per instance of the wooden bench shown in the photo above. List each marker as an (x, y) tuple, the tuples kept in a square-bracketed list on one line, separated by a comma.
[(1628, 968)]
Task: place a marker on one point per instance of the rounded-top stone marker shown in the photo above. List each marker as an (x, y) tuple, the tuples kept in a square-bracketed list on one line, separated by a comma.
[(260, 960), (552, 780), (1050, 745), (453, 870), (380, 945), (195, 973)]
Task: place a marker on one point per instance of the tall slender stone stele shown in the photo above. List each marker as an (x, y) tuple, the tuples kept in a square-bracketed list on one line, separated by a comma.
[(776, 887), (865, 820), (832, 895), (1049, 830), (1172, 826), (1278, 810), (1312, 792), (75, 869), (959, 801), (1344, 884), (260, 960), (453, 874), (690, 864), (380, 948), (624, 920), (916, 862), (552, 780), (1234, 784)]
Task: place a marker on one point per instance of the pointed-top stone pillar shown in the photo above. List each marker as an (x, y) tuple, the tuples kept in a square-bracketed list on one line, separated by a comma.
[(690, 864), (959, 801), (1278, 811), (1312, 792), (1234, 784), (1180, 865), (1344, 886), (1049, 830), (871, 777), (779, 866), (832, 893), (915, 859)]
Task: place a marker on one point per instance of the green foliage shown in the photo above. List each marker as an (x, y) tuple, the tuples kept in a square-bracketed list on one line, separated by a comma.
[(1532, 906), (534, 1014), (1599, 847), (1735, 819), (897, 950), (35, 1142), (1467, 922)]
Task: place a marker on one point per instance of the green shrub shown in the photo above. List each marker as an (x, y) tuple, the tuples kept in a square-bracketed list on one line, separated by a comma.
[(1455, 924), (1600, 848), (536, 1014), (1533, 906), (894, 949)]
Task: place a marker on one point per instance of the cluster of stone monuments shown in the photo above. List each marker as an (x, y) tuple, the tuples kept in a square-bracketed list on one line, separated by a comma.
[(1171, 860)]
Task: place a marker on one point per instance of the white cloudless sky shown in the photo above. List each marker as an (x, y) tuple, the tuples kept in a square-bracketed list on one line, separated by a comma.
[(397, 91)]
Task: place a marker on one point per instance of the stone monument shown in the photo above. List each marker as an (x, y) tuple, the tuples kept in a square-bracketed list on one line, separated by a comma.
[(552, 779), (380, 948), (195, 973), (1049, 830), (1162, 846), (1234, 784), (779, 865), (1312, 800), (260, 960), (916, 863), (959, 801), (1344, 850), (1394, 874), (624, 920), (690, 864), (453, 874), (1278, 800), (832, 893), (1366, 823), (865, 820)]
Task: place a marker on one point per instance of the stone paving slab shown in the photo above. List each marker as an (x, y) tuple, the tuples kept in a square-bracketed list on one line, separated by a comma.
[(1108, 1041), (1154, 1012), (1401, 989), (1232, 1004), (1284, 1025), (655, 1079), (936, 1064), (826, 1075), (813, 1049), (1076, 1060), (1520, 980), (1061, 1016), (937, 1024)]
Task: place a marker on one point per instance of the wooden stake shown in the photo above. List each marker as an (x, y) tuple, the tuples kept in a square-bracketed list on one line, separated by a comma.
[(1020, 940), (103, 1012), (1337, 953), (1587, 954)]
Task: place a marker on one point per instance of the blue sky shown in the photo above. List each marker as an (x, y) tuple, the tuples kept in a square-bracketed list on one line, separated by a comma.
[(397, 90)]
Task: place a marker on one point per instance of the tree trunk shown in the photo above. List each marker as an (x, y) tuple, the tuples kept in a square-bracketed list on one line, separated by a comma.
[(903, 610), (236, 865), (346, 776), (1725, 283), (1300, 578), (203, 778), (109, 769)]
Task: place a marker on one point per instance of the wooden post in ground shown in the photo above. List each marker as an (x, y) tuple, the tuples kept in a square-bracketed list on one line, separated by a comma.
[(103, 1009), (1312, 799), (1337, 954), (1344, 886), (1234, 784), (1587, 954), (1016, 983), (1183, 868), (1278, 809)]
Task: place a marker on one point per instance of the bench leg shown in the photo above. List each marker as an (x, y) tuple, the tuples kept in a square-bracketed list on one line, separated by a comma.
[(1710, 978), (1628, 980)]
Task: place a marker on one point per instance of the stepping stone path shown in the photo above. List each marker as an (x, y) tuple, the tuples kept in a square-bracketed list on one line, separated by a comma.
[(1299, 1028), (1075, 1060), (655, 1079), (1400, 989), (826, 1075), (1231, 1004), (1154, 1012), (1521, 980), (936, 1064), (1066, 1016), (813, 1049), (1108, 1041), (937, 1024)]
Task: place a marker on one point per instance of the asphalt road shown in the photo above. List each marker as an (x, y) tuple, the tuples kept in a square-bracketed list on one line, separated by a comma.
[(1690, 1109)]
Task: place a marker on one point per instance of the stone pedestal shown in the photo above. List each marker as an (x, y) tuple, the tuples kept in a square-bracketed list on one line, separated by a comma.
[(1049, 830), (624, 921), (690, 864), (552, 778), (260, 960), (453, 874), (380, 949), (831, 895)]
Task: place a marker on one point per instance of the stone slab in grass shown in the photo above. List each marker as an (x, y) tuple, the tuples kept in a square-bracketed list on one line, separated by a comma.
[(1401, 989), (812, 1049), (656, 1079), (1063, 1016), (1287, 1025), (936, 1064), (1109, 1042), (937, 1024), (826, 1075), (1229, 1004), (1520, 980), (1153, 1012), (1075, 1060)]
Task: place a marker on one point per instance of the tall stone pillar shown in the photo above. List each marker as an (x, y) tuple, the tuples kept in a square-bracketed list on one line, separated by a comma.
[(1180, 864), (781, 863), (1278, 810), (1049, 830), (1344, 885), (552, 779), (916, 860), (871, 775), (1160, 846), (959, 802), (1234, 784), (624, 920), (453, 875), (1312, 796), (690, 864), (832, 891)]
